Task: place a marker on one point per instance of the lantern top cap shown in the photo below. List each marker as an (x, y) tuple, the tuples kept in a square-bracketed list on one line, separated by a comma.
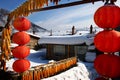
[(109, 2)]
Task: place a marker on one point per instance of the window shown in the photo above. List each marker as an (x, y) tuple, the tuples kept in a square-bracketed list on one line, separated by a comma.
[(59, 50)]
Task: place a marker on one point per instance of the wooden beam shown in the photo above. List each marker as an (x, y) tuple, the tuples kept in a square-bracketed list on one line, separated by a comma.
[(65, 5)]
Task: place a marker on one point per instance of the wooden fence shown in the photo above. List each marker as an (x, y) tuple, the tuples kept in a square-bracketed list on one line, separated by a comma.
[(46, 70)]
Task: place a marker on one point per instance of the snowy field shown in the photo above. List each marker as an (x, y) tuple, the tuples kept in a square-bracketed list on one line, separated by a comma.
[(83, 70)]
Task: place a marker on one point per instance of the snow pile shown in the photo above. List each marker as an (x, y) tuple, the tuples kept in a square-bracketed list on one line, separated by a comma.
[(36, 58), (84, 71), (73, 39), (90, 56)]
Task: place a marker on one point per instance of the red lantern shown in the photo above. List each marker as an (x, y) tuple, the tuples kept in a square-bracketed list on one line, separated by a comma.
[(21, 38), (108, 65), (21, 24), (101, 78), (21, 52), (107, 41), (107, 16), (21, 65)]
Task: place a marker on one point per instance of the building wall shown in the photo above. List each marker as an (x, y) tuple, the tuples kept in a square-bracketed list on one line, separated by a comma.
[(33, 42), (58, 52)]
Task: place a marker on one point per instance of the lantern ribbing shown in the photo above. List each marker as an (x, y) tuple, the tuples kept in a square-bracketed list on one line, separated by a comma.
[(108, 41), (21, 38)]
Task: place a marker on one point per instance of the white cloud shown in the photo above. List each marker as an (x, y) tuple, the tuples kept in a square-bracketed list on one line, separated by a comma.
[(66, 18)]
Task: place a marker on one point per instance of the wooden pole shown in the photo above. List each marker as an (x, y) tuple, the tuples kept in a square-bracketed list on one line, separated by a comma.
[(64, 5)]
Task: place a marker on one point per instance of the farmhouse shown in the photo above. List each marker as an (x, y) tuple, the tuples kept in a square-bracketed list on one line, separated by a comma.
[(33, 40), (61, 47)]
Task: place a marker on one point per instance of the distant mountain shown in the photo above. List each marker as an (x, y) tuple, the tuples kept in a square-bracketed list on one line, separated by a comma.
[(3, 16), (37, 28), (3, 20)]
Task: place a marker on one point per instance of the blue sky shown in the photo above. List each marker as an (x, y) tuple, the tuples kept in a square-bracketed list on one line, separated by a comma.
[(80, 16), (10, 4)]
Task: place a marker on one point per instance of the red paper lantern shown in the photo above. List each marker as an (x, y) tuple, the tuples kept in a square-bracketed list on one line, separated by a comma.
[(21, 24), (108, 65), (107, 16), (107, 41), (21, 38), (21, 52), (21, 65)]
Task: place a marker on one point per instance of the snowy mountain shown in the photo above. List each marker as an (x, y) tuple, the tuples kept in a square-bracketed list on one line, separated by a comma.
[(36, 28), (3, 18)]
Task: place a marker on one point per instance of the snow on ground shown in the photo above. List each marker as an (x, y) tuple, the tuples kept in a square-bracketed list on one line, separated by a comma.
[(90, 56), (35, 58), (84, 70)]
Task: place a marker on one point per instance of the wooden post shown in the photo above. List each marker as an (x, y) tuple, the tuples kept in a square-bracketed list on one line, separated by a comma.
[(51, 33), (73, 30), (68, 48), (91, 29)]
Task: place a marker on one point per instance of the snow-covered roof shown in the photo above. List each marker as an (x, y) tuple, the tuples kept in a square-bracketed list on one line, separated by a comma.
[(66, 40), (34, 35), (31, 34)]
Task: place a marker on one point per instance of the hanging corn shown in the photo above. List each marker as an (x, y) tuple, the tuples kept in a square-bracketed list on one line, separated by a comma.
[(5, 47)]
